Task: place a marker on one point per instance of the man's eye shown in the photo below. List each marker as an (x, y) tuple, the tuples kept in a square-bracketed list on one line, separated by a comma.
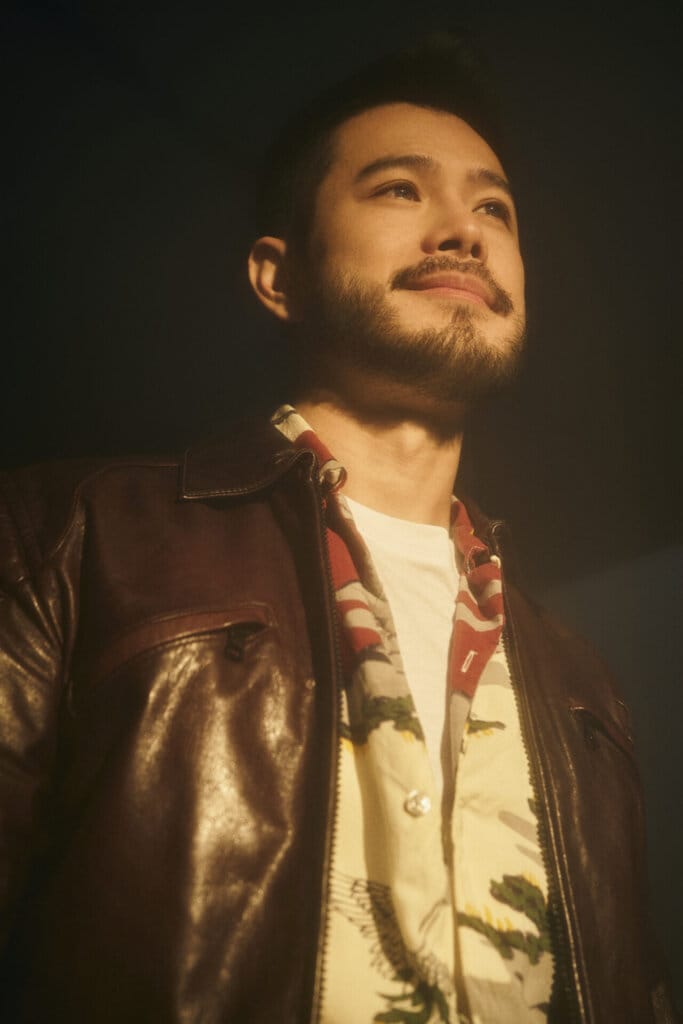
[(399, 190), (496, 208)]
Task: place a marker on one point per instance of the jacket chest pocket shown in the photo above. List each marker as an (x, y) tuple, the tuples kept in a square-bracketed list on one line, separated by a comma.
[(185, 778), (239, 626), (186, 701), (598, 730)]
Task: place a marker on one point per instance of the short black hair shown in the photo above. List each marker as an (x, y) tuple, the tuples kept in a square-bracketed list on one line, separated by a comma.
[(443, 72)]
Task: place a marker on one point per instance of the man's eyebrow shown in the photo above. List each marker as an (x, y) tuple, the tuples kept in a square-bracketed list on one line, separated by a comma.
[(420, 162), (414, 161), (485, 176)]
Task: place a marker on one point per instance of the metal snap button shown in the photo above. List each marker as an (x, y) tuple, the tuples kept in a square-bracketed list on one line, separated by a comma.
[(417, 803)]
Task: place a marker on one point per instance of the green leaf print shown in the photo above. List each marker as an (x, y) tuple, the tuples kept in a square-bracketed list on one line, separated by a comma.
[(375, 710), (522, 895), (424, 998), (369, 907), (475, 725)]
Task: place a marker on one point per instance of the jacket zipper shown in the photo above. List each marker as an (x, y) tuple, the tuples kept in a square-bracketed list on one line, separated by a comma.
[(562, 961), (334, 780)]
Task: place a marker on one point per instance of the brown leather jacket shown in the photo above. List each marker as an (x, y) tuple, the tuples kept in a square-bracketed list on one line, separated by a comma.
[(168, 743)]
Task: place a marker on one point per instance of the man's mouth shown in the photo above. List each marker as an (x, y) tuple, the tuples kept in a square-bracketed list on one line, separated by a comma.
[(466, 280), (448, 284)]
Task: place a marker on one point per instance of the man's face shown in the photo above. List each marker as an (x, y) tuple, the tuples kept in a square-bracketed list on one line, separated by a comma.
[(414, 270)]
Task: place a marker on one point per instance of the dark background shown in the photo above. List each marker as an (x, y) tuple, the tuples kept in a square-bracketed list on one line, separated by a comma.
[(129, 134)]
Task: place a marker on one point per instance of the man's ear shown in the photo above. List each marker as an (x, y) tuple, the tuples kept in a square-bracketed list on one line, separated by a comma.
[(269, 277)]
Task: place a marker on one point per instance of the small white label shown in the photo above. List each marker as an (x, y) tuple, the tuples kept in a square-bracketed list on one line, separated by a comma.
[(468, 661)]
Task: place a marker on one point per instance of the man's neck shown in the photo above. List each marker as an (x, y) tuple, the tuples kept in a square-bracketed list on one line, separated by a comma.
[(400, 468)]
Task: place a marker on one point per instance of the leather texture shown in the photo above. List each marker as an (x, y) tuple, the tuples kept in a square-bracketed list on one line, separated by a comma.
[(168, 702)]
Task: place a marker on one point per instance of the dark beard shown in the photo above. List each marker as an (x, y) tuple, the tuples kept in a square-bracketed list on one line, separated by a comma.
[(350, 325)]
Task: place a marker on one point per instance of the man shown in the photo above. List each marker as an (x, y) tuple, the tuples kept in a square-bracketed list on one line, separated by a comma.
[(281, 741)]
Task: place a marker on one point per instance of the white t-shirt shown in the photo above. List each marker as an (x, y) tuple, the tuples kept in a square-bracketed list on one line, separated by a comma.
[(417, 566)]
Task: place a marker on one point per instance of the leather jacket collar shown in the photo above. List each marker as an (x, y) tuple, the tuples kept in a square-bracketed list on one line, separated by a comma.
[(243, 462)]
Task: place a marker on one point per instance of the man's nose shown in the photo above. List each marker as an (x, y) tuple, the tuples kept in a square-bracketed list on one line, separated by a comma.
[(457, 229)]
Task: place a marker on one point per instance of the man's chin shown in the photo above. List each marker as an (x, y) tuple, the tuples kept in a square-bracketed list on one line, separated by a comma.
[(435, 370), (458, 363), (455, 360)]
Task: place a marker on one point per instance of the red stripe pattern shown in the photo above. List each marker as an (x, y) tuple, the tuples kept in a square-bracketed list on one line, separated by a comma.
[(479, 612), (479, 603)]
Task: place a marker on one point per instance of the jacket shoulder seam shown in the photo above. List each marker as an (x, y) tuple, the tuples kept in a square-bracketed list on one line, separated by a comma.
[(36, 557)]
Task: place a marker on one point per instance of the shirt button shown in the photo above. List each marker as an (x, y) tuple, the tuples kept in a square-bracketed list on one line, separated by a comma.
[(417, 803)]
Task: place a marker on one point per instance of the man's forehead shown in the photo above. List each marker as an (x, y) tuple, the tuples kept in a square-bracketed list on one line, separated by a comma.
[(430, 135)]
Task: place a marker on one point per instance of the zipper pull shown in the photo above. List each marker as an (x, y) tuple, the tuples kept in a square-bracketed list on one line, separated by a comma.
[(239, 635)]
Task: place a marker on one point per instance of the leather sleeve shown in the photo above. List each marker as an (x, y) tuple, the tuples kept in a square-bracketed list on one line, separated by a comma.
[(31, 686)]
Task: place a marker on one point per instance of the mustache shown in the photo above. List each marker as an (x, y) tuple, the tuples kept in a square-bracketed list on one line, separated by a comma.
[(501, 301)]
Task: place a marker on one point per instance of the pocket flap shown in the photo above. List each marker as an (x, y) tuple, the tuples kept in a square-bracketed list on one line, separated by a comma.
[(245, 620)]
